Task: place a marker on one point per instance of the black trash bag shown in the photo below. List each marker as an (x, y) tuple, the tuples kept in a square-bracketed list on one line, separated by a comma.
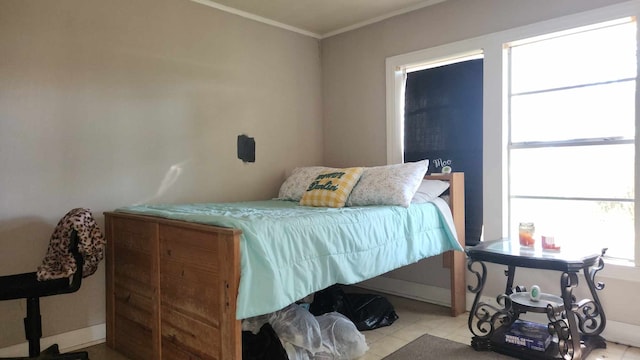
[(331, 299), (265, 345), (371, 311), (366, 311)]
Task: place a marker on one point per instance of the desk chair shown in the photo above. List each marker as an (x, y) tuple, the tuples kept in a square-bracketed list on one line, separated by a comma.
[(28, 286)]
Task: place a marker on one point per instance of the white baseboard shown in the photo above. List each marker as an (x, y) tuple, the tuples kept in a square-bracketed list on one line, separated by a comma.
[(69, 341), (431, 294), (615, 331), (622, 333)]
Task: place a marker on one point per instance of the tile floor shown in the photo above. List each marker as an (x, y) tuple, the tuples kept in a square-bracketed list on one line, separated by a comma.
[(415, 319)]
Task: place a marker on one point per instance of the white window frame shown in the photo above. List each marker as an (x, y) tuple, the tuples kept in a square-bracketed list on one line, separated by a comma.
[(495, 174)]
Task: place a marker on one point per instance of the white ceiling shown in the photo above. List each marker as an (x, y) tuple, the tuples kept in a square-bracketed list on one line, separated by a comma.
[(318, 18)]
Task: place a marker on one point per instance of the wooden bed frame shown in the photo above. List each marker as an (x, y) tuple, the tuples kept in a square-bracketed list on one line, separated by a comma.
[(171, 286)]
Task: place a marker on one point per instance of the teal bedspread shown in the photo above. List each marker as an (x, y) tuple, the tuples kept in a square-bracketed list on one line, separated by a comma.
[(289, 251)]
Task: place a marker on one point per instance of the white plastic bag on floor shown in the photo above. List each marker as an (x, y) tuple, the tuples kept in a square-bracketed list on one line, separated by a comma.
[(297, 326), (296, 353), (341, 340), (331, 336)]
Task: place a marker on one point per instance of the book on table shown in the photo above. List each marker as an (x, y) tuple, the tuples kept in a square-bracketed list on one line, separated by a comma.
[(532, 335)]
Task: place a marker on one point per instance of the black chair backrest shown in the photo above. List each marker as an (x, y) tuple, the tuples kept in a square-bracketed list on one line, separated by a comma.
[(76, 280)]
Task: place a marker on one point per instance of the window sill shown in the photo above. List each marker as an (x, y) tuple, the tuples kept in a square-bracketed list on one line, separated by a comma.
[(620, 270)]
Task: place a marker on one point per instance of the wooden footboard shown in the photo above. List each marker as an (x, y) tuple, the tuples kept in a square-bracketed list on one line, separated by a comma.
[(172, 288), (172, 285)]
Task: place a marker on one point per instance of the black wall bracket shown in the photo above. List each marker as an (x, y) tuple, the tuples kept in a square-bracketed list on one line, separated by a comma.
[(246, 148)]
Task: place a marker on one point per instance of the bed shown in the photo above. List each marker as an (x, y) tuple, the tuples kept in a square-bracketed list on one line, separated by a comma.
[(174, 284)]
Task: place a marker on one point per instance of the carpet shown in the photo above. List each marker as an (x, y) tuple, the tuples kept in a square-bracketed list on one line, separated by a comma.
[(432, 347)]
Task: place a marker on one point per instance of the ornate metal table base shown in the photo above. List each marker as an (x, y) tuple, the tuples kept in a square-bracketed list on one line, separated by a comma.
[(575, 326)]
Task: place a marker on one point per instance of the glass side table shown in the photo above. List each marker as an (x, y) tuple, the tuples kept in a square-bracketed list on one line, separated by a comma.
[(574, 325)]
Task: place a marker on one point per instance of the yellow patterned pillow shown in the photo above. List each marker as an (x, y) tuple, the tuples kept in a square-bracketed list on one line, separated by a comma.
[(331, 188)]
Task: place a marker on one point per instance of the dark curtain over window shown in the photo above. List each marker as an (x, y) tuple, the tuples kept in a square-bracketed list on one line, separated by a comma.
[(443, 123)]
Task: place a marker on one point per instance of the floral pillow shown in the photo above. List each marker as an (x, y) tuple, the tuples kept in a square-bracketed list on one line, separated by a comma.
[(296, 184), (388, 185), (331, 188)]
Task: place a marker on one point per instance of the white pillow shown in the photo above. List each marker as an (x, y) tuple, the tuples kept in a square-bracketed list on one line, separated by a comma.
[(429, 190), (388, 185), (297, 183)]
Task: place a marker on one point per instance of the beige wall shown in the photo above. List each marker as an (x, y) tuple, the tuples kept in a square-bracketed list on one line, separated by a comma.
[(110, 103), (354, 103)]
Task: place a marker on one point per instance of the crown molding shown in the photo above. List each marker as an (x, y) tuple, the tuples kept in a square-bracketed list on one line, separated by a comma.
[(254, 17), (267, 21), (382, 17)]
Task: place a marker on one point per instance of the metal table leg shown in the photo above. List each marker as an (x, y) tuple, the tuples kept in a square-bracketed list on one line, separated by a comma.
[(485, 318)]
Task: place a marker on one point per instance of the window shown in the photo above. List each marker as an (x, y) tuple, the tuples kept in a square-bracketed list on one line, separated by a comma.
[(571, 146), (558, 128)]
